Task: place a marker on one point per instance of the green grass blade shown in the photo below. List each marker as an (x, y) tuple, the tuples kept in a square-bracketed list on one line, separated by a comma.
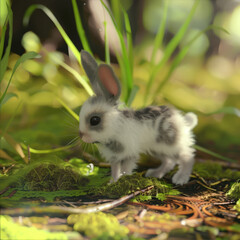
[(22, 59), (211, 153), (47, 151), (182, 53), (129, 39), (116, 6), (107, 53), (7, 97), (4, 60), (28, 14), (80, 79), (2, 40), (72, 113), (132, 95), (170, 48), (124, 63), (80, 29), (160, 34)]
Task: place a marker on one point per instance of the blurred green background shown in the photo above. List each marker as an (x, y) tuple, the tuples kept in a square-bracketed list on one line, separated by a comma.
[(206, 81)]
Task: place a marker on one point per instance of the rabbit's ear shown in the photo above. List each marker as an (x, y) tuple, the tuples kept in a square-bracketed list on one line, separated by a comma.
[(109, 82), (90, 66)]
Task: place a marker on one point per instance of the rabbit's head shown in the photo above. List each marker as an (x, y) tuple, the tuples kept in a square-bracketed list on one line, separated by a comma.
[(99, 113)]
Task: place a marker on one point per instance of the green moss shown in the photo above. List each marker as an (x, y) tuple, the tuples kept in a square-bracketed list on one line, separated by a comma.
[(52, 177), (97, 224), (10, 230), (105, 236), (48, 179), (237, 206), (214, 171), (234, 191), (51, 174), (131, 183)]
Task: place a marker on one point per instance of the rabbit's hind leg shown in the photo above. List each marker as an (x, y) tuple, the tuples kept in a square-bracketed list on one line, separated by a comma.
[(167, 165), (184, 169)]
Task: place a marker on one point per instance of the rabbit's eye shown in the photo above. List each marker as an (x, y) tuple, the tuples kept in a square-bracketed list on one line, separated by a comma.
[(95, 120)]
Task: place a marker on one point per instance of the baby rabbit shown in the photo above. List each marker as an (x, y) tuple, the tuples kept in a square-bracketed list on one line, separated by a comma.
[(121, 135)]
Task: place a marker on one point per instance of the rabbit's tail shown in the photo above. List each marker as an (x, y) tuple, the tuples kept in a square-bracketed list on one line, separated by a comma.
[(191, 119)]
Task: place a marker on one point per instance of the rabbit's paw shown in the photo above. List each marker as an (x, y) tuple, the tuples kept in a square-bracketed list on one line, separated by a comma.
[(180, 179), (154, 173)]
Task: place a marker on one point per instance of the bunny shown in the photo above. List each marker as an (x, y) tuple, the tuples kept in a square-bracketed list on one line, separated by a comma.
[(122, 134)]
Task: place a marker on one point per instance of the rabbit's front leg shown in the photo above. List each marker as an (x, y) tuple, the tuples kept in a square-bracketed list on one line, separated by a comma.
[(128, 164), (115, 171)]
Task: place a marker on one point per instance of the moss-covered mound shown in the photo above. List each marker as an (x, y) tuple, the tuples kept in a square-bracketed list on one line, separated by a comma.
[(131, 183), (52, 177), (46, 175)]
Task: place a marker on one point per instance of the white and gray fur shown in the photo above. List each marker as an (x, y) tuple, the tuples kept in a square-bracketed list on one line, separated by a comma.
[(121, 135)]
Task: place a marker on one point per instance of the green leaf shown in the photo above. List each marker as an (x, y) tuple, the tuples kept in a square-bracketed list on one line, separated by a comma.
[(132, 95), (211, 153), (107, 53), (2, 39), (16, 146), (80, 29), (22, 59), (71, 70), (227, 110), (129, 38), (72, 113), (161, 196), (160, 34), (8, 96), (4, 60), (28, 14)]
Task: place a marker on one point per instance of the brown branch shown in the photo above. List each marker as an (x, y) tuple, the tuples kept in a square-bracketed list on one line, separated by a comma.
[(70, 210)]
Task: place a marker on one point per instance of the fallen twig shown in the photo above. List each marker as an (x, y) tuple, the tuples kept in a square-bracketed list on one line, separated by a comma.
[(70, 210)]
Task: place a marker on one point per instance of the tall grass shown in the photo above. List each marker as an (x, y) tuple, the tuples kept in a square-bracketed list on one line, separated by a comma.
[(171, 46), (5, 96)]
